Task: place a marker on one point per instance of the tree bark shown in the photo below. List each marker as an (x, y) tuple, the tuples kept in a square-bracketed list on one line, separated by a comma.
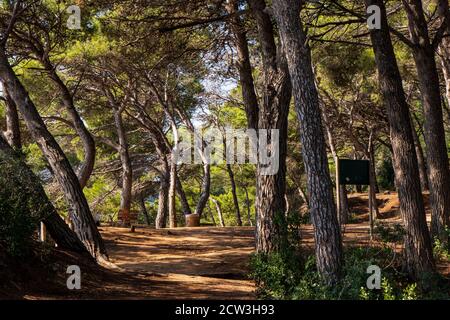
[(64, 237), (144, 211), (243, 65), (211, 215), (87, 140), (444, 46), (437, 158), (270, 207), (219, 212), (247, 202), (321, 202), (235, 198), (84, 223), (12, 133), (205, 189), (344, 212), (163, 201), (420, 160), (418, 252), (183, 199), (172, 193), (127, 171)]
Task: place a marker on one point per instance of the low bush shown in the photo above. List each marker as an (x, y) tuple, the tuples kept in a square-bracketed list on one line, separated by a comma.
[(21, 205), (292, 274)]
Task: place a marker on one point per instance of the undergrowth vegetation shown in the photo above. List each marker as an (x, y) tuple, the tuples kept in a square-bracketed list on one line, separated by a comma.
[(292, 274)]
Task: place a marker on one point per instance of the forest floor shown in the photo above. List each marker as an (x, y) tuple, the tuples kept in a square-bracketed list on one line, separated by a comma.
[(185, 263)]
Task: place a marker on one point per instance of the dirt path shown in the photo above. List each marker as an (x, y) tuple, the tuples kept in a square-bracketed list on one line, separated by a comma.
[(200, 263), (191, 263)]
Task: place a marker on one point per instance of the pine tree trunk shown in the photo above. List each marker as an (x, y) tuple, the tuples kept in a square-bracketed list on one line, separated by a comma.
[(270, 207), (127, 171), (321, 202), (163, 200), (183, 199), (211, 215), (244, 66), (219, 212), (444, 46), (437, 158), (235, 198), (344, 212), (205, 190), (87, 140), (83, 221), (418, 253), (373, 172), (12, 133), (172, 194), (144, 211), (420, 160), (249, 214)]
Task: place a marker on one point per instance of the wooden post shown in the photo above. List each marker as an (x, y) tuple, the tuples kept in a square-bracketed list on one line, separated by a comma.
[(42, 232), (338, 196), (371, 200), (372, 196)]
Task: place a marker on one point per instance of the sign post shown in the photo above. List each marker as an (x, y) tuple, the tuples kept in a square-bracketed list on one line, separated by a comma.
[(338, 191)]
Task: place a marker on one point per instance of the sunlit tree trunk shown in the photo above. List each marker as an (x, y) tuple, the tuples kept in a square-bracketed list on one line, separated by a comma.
[(219, 212), (12, 133)]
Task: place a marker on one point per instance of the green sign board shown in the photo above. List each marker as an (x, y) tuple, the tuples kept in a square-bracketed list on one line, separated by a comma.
[(354, 172)]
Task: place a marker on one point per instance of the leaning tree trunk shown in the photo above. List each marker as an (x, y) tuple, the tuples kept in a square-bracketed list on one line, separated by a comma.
[(243, 65), (163, 200), (87, 140), (184, 202), (420, 160), (64, 237), (437, 158), (219, 212), (418, 252), (12, 133), (83, 221), (127, 171), (444, 46), (247, 204), (141, 202), (321, 202), (270, 206), (235, 198), (205, 189)]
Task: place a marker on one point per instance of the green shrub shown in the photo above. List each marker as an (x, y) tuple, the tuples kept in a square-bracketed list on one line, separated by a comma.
[(390, 234), (441, 249), (280, 276), (21, 205)]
